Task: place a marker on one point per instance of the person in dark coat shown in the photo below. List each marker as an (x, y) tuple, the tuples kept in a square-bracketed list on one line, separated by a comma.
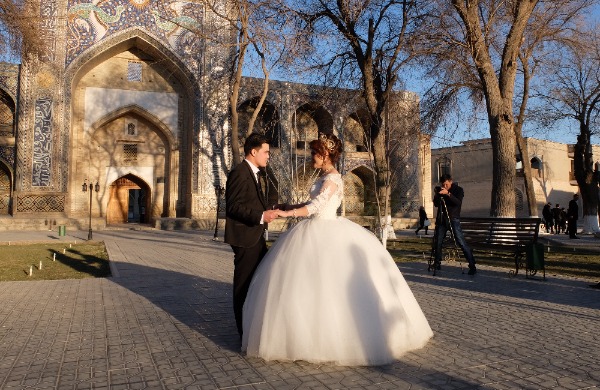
[(422, 219), (572, 216), (563, 220), (556, 218), (547, 215), (448, 199)]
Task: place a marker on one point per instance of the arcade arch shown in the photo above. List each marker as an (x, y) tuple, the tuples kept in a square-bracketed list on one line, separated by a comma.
[(309, 120), (7, 114), (5, 188), (267, 121), (355, 128), (359, 192)]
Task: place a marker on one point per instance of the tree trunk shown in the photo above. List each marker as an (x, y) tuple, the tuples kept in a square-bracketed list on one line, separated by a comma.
[(586, 178), (529, 191), (503, 181)]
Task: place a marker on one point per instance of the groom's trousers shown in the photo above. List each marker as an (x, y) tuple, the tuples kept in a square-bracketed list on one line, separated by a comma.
[(245, 261)]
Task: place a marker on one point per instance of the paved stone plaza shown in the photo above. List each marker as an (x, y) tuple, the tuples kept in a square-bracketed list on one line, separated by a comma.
[(164, 321)]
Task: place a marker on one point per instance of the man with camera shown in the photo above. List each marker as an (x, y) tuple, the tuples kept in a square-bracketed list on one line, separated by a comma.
[(448, 199)]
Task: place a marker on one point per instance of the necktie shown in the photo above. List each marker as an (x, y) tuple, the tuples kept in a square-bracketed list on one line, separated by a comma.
[(259, 183)]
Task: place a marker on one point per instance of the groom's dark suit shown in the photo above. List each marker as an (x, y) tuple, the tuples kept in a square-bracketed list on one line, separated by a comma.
[(245, 204)]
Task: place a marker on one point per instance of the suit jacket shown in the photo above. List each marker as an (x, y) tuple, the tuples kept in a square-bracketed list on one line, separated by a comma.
[(244, 206)]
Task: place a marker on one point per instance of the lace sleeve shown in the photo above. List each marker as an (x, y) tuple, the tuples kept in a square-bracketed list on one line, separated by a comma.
[(328, 189)]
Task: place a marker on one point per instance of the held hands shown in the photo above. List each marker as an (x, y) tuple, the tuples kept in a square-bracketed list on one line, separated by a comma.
[(286, 214), (270, 215)]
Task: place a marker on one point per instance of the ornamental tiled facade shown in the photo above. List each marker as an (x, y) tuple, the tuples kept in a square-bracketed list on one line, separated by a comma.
[(129, 96)]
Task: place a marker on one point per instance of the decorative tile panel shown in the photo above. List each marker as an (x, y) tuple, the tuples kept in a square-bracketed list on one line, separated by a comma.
[(42, 143), (175, 22), (7, 153), (4, 203), (48, 13), (40, 203)]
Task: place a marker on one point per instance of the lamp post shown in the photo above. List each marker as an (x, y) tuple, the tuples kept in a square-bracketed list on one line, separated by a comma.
[(219, 192), (92, 188)]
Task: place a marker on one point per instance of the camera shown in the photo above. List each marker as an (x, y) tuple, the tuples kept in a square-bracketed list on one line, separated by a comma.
[(437, 189)]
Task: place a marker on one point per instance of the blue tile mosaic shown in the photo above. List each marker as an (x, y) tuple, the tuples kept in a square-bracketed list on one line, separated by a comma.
[(42, 143), (175, 22)]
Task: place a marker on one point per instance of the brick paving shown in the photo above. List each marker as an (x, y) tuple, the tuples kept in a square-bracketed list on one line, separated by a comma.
[(164, 321)]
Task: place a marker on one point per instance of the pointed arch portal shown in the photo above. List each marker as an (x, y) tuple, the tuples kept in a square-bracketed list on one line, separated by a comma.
[(129, 201)]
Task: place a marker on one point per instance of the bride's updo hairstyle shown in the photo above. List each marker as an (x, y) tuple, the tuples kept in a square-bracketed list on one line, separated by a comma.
[(327, 144)]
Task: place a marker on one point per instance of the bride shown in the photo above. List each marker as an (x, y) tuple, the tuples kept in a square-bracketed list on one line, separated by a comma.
[(327, 290)]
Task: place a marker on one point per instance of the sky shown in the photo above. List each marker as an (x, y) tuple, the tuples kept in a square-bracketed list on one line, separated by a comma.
[(457, 131)]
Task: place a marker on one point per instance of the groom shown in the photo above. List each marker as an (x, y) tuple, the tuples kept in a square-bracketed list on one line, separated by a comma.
[(246, 218)]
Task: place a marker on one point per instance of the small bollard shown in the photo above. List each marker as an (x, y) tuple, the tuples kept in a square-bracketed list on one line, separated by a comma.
[(69, 245), (40, 264), (64, 250), (54, 257), (30, 270)]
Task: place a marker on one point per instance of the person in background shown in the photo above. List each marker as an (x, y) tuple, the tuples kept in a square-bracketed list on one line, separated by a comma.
[(547, 215), (572, 216), (556, 218), (563, 220), (448, 199), (422, 220)]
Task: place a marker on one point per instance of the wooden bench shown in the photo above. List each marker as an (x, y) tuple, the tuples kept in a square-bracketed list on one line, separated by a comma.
[(516, 236)]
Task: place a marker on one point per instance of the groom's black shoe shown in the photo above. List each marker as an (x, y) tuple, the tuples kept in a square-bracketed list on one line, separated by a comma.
[(472, 271), (437, 265)]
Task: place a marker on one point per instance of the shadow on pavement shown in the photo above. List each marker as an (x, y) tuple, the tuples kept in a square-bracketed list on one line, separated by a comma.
[(532, 291)]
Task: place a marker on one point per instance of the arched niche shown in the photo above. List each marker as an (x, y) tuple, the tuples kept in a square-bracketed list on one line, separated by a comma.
[(267, 121), (356, 126), (6, 180), (132, 77), (7, 114), (359, 192), (308, 121)]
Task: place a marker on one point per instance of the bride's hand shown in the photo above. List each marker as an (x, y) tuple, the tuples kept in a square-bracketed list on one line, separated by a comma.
[(285, 214)]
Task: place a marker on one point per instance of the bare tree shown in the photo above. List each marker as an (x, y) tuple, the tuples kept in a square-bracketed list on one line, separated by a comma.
[(364, 45), (256, 25), (573, 92), (477, 46), (19, 28), (548, 30)]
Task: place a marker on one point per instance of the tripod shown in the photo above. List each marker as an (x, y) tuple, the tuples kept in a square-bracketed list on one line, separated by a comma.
[(452, 254)]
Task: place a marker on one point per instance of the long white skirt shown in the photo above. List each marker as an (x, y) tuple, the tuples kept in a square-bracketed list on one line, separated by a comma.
[(328, 291)]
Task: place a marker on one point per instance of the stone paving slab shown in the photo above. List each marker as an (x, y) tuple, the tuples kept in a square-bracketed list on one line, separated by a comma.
[(164, 321)]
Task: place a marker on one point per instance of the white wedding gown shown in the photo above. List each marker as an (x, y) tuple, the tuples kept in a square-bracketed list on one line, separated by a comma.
[(328, 291)]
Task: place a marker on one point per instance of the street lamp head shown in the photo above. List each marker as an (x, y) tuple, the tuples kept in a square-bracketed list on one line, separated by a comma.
[(97, 187), (84, 187)]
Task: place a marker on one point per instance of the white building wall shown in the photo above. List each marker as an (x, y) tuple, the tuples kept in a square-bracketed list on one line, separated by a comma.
[(471, 168)]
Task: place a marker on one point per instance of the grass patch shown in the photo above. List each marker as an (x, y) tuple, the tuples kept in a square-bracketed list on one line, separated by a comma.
[(84, 260), (561, 260)]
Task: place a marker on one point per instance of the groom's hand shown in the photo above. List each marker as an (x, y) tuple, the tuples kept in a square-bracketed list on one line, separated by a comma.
[(270, 215)]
